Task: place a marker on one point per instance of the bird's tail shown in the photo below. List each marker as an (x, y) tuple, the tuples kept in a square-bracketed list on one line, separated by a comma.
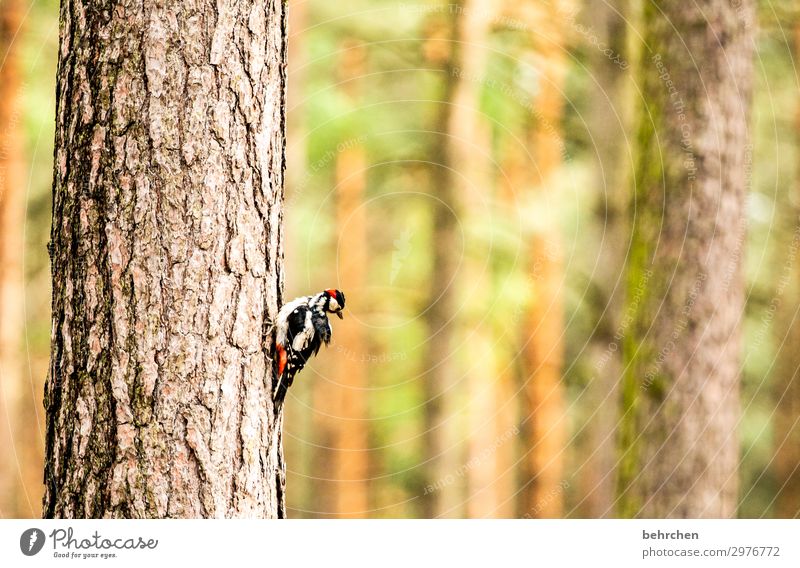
[(279, 395), (285, 380)]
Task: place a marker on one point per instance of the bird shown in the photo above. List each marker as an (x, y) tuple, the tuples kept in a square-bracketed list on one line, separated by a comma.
[(302, 327)]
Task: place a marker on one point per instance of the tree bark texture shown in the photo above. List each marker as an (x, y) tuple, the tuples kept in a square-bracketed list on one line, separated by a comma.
[(167, 261), (678, 441)]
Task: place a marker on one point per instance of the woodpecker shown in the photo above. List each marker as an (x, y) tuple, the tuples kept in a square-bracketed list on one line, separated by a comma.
[(302, 327)]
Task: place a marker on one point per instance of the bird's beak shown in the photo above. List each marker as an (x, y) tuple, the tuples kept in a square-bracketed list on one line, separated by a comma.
[(341, 317)]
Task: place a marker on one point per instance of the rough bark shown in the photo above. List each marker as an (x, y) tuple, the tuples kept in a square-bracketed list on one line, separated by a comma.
[(350, 382), (167, 261), (678, 442), (543, 411)]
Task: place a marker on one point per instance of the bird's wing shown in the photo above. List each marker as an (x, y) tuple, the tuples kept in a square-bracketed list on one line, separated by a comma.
[(284, 314), (323, 328), (301, 328)]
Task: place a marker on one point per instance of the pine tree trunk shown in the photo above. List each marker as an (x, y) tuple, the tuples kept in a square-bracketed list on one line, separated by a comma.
[(685, 285), (609, 123), (351, 439), (443, 494), (167, 261), (545, 419), (469, 137), (513, 177), (296, 122)]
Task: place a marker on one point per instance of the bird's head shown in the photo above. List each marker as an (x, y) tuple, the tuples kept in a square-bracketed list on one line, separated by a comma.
[(335, 302)]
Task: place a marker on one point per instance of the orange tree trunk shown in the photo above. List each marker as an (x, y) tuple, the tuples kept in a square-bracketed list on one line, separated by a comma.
[(469, 137), (544, 409), (351, 435)]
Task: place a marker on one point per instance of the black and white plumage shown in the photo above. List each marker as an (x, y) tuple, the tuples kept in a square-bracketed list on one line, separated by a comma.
[(302, 327)]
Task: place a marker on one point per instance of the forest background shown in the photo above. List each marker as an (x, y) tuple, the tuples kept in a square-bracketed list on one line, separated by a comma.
[(478, 370)]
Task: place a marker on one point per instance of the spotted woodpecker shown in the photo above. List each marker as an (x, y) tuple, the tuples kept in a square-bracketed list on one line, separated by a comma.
[(302, 327)]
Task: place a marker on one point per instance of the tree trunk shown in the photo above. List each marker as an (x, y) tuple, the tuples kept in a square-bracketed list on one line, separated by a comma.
[(787, 389), (351, 440), (296, 123), (545, 419), (13, 470), (443, 494), (167, 261), (470, 151), (513, 178), (608, 123), (685, 285)]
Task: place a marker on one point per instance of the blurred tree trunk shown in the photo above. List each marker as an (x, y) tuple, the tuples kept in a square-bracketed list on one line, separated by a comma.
[(514, 178), (608, 125), (14, 474), (545, 422), (167, 262), (470, 152), (443, 495), (350, 380), (506, 417), (685, 285), (787, 389), (296, 125)]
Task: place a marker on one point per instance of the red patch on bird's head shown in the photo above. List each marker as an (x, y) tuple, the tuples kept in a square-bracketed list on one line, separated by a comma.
[(336, 303)]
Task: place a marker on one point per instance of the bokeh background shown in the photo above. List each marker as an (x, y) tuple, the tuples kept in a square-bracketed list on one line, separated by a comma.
[(475, 216)]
